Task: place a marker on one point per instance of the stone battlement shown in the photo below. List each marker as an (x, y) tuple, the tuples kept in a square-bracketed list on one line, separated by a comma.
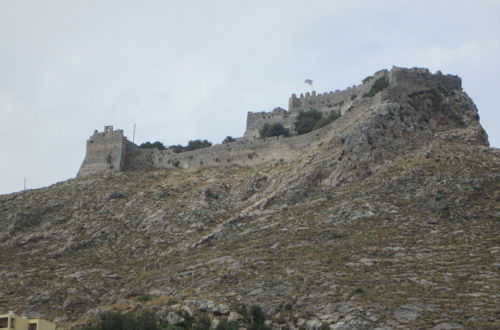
[(105, 152), (110, 151), (319, 101)]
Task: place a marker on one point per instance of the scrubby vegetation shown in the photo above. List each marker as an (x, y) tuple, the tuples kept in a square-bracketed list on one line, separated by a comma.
[(118, 321), (192, 145), (313, 119), (253, 319), (228, 139), (275, 129), (379, 84), (367, 79), (148, 145), (256, 319), (197, 144)]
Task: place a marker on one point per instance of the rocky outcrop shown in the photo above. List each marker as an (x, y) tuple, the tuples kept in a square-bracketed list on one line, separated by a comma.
[(387, 218)]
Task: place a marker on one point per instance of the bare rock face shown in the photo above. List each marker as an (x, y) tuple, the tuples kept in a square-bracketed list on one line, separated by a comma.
[(386, 218), (412, 109), (402, 117)]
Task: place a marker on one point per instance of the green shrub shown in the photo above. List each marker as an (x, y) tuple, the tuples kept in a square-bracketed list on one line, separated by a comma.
[(257, 318), (225, 325), (176, 148), (118, 321), (379, 84), (197, 144), (275, 129), (166, 326), (358, 291), (148, 145), (308, 121), (367, 79), (228, 139), (332, 116), (171, 301), (144, 297), (192, 145), (202, 323), (254, 319)]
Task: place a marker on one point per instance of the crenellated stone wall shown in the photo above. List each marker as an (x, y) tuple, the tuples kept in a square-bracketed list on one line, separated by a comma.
[(256, 120), (243, 152), (325, 102), (338, 101), (342, 100), (126, 156), (110, 151), (106, 152)]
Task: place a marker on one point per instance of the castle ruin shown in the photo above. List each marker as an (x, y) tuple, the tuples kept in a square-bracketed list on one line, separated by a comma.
[(110, 151)]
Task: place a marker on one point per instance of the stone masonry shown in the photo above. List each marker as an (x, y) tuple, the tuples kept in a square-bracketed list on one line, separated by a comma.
[(110, 151), (106, 152)]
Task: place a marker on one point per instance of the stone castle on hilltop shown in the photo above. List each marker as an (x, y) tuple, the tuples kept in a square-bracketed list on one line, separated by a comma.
[(325, 103), (110, 151)]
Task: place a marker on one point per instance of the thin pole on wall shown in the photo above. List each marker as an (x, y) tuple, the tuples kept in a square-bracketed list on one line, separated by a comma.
[(133, 136), (24, 189)]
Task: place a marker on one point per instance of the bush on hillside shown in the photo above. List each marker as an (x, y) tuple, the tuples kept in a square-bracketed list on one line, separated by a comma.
[(308, 121), (379, 84), (197, 144), (148, 145), (192, 145), (257, 318), (228, 139), (176, 148), (118, 321), (325, 120), (275, 129), (367, 79), (225, 325), (254, 319)]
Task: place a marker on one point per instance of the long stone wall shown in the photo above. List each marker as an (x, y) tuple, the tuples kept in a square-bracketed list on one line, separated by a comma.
[(325, 102), (244, 152), (110, 151)]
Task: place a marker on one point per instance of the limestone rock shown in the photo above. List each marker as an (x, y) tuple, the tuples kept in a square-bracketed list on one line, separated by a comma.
[(407, 313), (174, 318), (386, 218)]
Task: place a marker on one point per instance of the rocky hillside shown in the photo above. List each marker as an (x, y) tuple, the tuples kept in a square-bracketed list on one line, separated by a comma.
[(390, 219)]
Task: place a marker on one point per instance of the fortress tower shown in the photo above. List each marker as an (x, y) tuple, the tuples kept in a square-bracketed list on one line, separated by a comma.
[(105, 152)]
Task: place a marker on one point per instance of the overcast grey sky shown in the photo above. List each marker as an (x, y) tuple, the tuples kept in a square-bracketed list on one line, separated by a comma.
[(193, 68)]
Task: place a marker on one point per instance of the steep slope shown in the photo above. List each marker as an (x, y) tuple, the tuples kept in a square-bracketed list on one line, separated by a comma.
[(388, 218)]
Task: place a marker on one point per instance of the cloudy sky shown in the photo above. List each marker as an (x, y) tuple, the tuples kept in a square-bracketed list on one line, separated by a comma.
[(192, 69)]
